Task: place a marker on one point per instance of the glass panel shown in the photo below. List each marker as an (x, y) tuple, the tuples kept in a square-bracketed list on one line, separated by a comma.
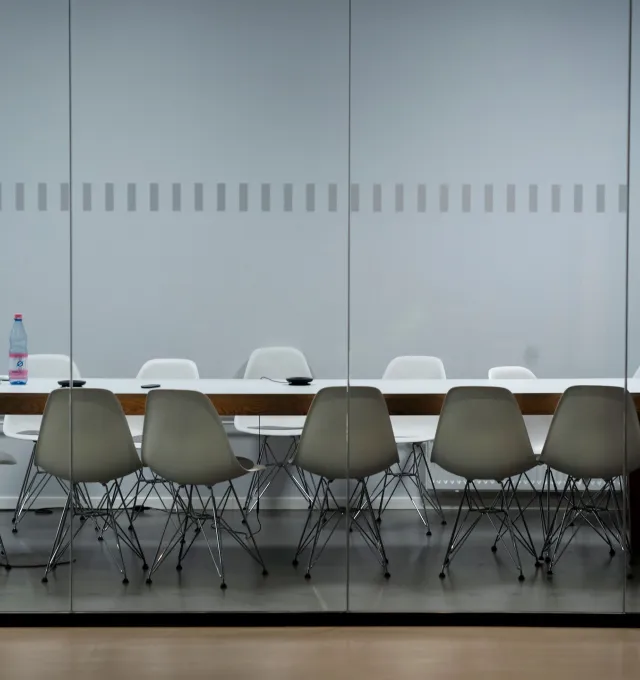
[(210, 155), (34, 280), (488, 163), (632, 595)]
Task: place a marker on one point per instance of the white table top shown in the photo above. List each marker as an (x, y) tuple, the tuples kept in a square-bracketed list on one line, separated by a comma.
[(266, 387)]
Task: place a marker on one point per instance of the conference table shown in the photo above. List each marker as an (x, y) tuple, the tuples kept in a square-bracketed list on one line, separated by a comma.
[(266, 397)]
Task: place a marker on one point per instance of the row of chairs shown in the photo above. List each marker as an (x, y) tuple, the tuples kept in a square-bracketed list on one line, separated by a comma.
[(412, 434), (481, 435)]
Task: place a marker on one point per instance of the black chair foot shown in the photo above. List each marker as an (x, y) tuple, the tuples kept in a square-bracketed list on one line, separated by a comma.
[(379, 520), (441, 574), (429, 532), (265, 572), (521, 577), (178, 567), (295, 563), (14, 530), (387, 575), (125, 581), (145, 567), (538, 564), (101, 538), (130, 527), (549, 573), (307, 576), (612, 552), (148, 581), (444, 522), (45, 579), (547, 559), (494, 548), (7, 567), (223, 586)]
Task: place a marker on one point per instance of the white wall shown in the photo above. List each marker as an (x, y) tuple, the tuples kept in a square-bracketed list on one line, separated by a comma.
[(499, 92)]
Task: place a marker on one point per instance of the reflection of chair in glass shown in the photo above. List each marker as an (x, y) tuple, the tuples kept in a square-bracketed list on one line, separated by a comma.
[(323, 450), (103, 452), (56, 367), (155, 370), (587, 442), (414, 435), (275, 363), (482, 436), (185, 443)]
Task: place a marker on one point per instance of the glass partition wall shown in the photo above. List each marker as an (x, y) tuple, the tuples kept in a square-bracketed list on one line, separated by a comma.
[(202, 199), (210, 151), (488, 227), (34, 282)]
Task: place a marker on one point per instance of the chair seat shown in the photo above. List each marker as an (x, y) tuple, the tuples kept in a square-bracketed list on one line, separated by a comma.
[(272, 426), (249, 465), (538, 428), (6, 458), (414, 429), (25, 435)]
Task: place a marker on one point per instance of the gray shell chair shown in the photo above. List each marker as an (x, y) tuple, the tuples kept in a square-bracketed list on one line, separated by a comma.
[(185, 443), (325, 452), (481, 435), (34, 482), (587, 442), (84, 439)]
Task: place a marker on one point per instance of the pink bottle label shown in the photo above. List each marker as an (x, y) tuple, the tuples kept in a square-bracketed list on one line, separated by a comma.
[(18, 367)]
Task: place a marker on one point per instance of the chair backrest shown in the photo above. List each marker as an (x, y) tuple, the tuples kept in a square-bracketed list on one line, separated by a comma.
[(482, 435), (94, 422), (184, 440), (511, 373), (418, 367), (586, 438), (56, 366), (277, 363), (360, 411), (52, 366), (169, 369)]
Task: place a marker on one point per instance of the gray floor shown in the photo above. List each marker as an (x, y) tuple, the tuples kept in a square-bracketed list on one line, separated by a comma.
[(586, 579)]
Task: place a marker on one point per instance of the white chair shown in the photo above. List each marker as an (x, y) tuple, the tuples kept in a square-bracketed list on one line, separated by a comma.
[(158, 370), (103, 452), (587, 442), (414, 436), (274, 363), (155, 370), (481, 435), (323, 450), (537, 426), (186, 444), (56, 367)]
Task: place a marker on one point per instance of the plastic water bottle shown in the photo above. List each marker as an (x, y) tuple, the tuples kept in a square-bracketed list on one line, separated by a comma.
[(18, 354)]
